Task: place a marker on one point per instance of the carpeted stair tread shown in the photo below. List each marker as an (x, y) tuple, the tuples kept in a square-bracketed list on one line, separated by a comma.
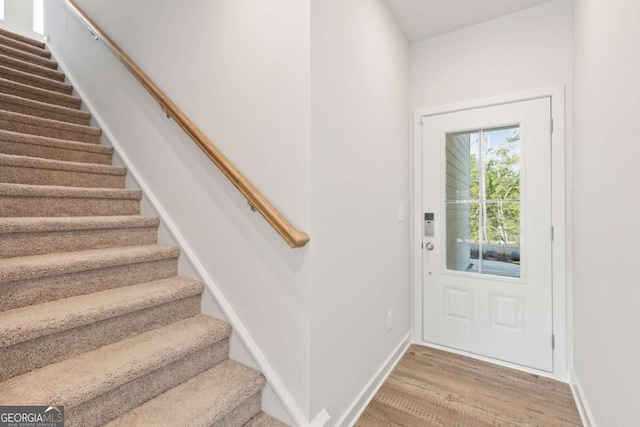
[(37, 171), (123, 272), (60, 165), (50, 128), (39, 94), (28, 67), (265, 420), (86, 336), (37, 266), (21, 38), (202, 401), (20, 200), (59, 147), (28, 57), (89, 375), (50, 191), (34, 321), (17, 104), (28, 236), (46, 224), (25, 47), (35, 80)]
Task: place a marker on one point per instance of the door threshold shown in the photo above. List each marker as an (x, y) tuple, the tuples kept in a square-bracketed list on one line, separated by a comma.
[(498, 362)]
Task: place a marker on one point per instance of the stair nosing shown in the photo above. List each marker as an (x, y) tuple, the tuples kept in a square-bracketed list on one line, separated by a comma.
[(27, 323), (60, 76), (39, 105), (68, 89), (54, 142), (56, 191), (31, 57), (25, 47), (55, 264), (12, 225), (29, 162), (30, 120), (23, 39), (42, 92), (124, 361)]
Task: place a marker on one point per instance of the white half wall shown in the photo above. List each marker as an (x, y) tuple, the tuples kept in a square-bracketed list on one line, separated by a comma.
[(606, 206), (241, 71), (360, 178)]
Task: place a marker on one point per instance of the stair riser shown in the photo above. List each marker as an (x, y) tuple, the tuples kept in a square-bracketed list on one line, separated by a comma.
[(49, 98), (33, 129), (242, 413), (15, 44), (33, 354), (16, 64), (35, 291), (116, 402), (34, 176), (27, 57), (22, 38), (12, 206), (26, 244), (39, 82), (53, 153), (45, 113)]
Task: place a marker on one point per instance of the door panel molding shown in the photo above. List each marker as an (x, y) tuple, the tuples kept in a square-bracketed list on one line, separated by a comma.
[(561, 293)]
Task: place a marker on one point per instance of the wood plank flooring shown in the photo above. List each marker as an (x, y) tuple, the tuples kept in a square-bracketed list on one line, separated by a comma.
[(435, 388)]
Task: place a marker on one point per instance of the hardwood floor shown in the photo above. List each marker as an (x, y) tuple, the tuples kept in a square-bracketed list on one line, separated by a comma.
[(434, 388)]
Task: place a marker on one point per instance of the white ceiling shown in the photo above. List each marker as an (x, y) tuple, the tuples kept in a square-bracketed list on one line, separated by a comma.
[(422, 19)]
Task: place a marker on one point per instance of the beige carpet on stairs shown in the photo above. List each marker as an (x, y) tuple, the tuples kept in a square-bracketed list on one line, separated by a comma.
[(93, 313)]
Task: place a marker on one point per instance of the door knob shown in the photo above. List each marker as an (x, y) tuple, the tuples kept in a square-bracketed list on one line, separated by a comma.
[(429, 246)]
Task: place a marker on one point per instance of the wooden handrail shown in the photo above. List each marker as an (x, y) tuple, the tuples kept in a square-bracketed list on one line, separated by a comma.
[(257, 201)]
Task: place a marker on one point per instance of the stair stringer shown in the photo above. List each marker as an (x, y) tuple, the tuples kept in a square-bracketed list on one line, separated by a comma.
[(276, 399)]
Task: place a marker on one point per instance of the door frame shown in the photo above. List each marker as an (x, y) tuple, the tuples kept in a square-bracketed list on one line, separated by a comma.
[(561, 301)]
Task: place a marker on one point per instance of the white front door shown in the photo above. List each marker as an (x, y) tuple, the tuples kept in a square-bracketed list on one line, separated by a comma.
[(487, 236)]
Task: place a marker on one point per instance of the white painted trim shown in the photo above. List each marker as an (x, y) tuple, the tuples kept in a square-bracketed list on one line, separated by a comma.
[(320, 419), (238, 327), (355, 410), (586, 415), (416, 231), (561, 303)]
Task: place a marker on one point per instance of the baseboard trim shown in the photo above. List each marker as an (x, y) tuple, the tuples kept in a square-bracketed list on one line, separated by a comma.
[(578, 395), (238, 327), (360, 403), (320, 419)]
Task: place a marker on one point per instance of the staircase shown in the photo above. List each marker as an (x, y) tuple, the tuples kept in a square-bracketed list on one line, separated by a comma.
[(93, 315)]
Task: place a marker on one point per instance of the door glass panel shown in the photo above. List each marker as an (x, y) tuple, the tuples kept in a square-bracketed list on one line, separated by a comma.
[(483, 201), (462, 236)]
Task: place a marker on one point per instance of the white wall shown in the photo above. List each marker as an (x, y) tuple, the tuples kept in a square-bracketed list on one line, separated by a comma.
[(605, 220), (525, 50), (18, 17), (241, 71), (359, 177)]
